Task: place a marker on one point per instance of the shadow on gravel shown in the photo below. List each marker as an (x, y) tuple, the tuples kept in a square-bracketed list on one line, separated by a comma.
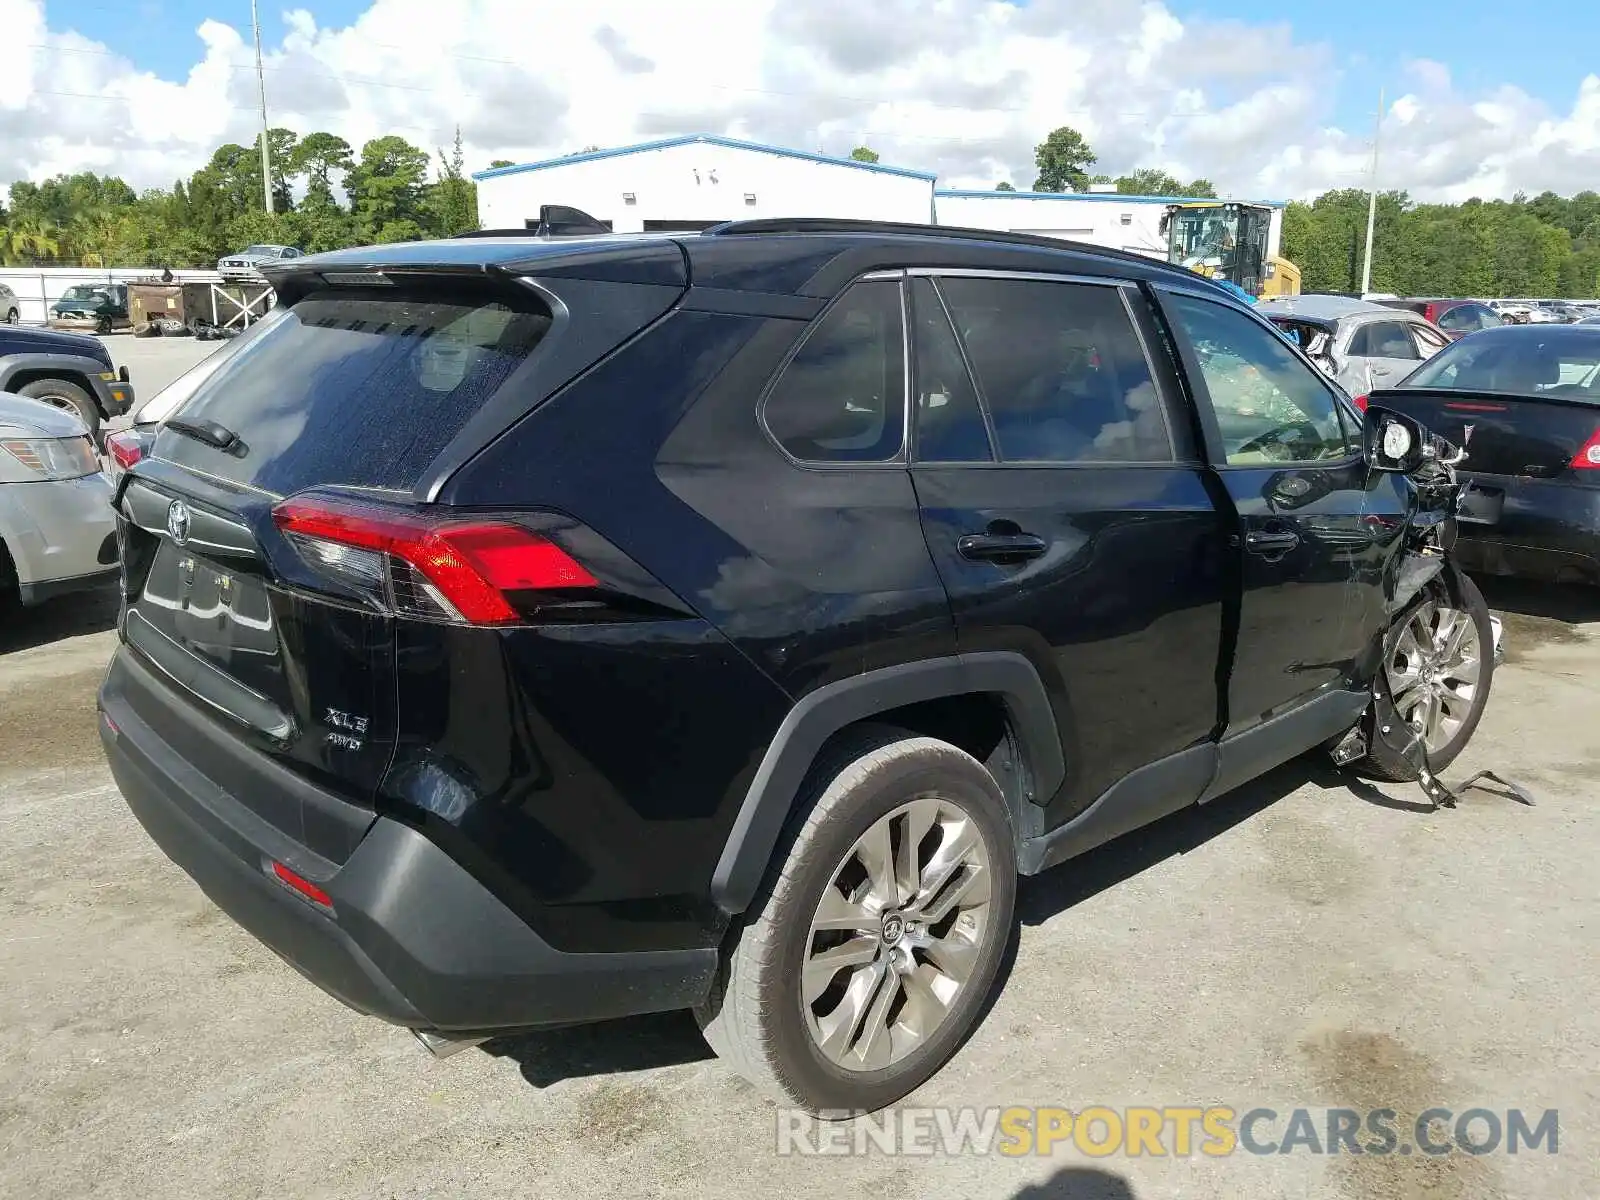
[(1078, 1183), (64, 617), (608, 1048), (1043, 896)]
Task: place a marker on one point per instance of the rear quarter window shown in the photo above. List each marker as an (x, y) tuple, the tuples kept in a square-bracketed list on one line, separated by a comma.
[(358, 387)]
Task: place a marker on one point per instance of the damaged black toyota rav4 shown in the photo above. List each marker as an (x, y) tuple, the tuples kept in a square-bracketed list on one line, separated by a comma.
[(531, 630)]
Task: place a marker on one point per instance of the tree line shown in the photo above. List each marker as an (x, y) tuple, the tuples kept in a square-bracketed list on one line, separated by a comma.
[(325, 196), (1541, 247)]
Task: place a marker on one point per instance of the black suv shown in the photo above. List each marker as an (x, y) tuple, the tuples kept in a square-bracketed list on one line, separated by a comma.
[(524, 631), (68, 370)]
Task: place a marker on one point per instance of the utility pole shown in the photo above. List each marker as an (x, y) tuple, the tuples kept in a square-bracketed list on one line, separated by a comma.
[(1372, 200), (261, 88)]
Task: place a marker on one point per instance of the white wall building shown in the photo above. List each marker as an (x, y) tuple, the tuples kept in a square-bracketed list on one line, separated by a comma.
[(1103, 218), (691, 182)]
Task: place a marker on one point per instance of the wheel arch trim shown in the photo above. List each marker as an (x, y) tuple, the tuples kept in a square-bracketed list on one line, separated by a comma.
[(820, 714)]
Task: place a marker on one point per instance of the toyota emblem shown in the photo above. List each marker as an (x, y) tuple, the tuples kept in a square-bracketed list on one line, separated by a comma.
[(178, 521)]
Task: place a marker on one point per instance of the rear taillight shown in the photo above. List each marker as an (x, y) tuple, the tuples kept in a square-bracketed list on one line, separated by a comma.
[(465, 571), (125, 448), (1588, 458), (1361, 402)]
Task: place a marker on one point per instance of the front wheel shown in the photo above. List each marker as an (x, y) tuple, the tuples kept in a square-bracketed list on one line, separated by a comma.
[(1440, 666), (64, 395), (869, 953), (12, 316)]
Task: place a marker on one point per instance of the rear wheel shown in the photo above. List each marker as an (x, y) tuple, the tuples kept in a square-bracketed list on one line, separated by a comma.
[(12, 316), (1439, 669), (869, 953), (65, 395)]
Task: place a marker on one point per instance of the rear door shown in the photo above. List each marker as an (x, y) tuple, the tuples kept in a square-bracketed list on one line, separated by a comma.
[(1383, 353), (1288, 453), (1067, 513)]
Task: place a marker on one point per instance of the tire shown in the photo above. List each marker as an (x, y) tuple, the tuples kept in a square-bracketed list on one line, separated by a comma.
[(63, 394), (12, 316), (1458, 731), (757, 1018)]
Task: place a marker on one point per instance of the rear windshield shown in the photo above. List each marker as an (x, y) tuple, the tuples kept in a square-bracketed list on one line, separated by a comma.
[(1520, 362), (358, 387)]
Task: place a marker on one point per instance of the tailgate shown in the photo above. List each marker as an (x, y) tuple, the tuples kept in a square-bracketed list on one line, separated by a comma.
[(306, 680)]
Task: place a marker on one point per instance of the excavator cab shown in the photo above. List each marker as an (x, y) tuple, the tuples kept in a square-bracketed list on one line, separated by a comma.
[(1227, 242)]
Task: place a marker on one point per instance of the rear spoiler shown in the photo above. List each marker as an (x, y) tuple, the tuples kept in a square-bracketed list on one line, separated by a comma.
[(555, 220)]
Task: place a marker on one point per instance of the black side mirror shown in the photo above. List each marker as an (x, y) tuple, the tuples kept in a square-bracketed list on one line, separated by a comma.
[(1395, 442)]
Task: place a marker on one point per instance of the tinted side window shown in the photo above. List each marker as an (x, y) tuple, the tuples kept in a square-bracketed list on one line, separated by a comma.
[(1269, 406), (1359, 344), (1461, 317), (1061, 369), (842, 396), (950, 424), (1389, 339)]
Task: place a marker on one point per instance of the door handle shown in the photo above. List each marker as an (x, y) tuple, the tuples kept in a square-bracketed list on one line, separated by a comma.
[(1260, 541), (1000, 547), (1383, 370)]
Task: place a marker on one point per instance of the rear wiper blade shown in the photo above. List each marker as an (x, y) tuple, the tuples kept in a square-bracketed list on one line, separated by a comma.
[(212, 433)]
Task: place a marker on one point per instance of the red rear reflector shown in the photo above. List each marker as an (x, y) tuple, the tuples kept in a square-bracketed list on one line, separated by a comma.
[(1588, 458), (1465, 406), (1361, 402), (304, 886), (473, 564), (125, 448)]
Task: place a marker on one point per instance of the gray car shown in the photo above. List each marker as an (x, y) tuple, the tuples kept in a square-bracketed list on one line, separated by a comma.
[(1361, 345), (57, 529), (10, 306)]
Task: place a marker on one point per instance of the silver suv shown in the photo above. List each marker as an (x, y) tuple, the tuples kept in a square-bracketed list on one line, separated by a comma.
[(1361, 345)]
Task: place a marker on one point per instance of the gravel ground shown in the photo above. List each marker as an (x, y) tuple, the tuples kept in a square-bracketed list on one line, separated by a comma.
[(1304, 942)]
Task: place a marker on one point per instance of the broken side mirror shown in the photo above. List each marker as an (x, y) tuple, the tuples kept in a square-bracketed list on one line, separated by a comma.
[(1395, 442)]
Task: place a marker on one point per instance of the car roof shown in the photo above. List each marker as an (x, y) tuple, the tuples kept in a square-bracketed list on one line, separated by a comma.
[(1549, 334), (802, 255), (1320, 306)]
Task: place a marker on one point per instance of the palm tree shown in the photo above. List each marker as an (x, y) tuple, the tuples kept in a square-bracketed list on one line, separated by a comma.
[(95, 233), (27, 235)]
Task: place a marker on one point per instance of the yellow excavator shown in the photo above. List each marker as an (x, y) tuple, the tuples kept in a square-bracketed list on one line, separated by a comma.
[(1227, 242)]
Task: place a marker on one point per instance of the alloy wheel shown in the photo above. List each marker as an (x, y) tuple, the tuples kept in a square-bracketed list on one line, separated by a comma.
[(1433, 672), (896, 935)]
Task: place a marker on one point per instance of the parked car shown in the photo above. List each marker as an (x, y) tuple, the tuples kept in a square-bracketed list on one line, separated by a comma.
[(10, 306), (247, 263), (1511, 312), (57, 529), (69, 370), (726, 620), (1525, 403), (1360, 344), (1594, 320), (1456, 318), (100, 306)]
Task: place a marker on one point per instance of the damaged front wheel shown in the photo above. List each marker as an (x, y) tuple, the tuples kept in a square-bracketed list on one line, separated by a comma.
[(1439, 666)]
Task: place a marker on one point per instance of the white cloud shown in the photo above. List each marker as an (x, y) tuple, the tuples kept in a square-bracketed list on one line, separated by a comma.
[(961, 87)]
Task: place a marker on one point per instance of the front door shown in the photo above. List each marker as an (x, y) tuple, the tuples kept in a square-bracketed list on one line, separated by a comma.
[(1068, 514), (1289, 455)]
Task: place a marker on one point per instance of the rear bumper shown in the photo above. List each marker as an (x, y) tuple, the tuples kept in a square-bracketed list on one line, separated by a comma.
[(411, 936), (1546, 530)]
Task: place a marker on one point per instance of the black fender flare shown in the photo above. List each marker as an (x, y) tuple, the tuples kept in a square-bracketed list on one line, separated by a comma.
[(820, 714), (74, 368)]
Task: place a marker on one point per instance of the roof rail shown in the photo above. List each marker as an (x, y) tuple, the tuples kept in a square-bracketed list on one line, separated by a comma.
[(912, 229)]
